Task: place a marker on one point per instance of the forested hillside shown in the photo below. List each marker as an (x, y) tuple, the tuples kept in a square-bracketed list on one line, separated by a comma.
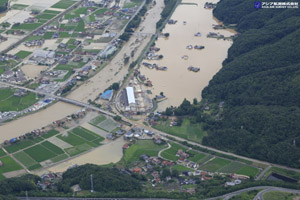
[(260, 85)]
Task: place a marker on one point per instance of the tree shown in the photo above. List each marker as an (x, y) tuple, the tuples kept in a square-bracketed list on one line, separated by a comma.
[(115, 86), (117, 118)]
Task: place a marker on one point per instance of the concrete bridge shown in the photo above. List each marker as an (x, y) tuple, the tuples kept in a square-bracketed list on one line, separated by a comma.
[(71, 101)]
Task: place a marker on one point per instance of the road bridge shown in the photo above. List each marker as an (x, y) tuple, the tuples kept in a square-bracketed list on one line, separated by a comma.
[(64, 99)]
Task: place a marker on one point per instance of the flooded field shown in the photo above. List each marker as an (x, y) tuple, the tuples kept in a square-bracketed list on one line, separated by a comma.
[(177, 82), (37, 120), (108, 153), (33, 71)]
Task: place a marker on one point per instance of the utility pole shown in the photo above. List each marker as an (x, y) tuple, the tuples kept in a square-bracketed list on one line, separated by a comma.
[(26, 193), (92, 184)]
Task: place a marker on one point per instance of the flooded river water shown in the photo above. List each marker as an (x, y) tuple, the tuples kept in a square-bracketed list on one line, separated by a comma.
[(177, 82), (106, 154), (37, 120)]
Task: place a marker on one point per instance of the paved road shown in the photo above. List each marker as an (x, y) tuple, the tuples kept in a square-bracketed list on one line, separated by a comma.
[(61, 198), (259, 195), (261, 175)]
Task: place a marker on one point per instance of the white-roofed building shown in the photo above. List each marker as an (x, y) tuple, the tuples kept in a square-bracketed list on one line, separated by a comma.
[(130, 95)]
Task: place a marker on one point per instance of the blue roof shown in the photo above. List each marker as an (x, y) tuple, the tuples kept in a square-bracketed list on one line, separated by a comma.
[(107, 94)]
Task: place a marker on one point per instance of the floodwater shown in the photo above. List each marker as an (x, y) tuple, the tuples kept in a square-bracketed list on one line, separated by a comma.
[(115, 70), (33, 71), (177, 82), (37, 120), (108, 153)]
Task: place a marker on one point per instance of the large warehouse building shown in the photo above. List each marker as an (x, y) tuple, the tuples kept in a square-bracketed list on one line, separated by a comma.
[(130, 96)]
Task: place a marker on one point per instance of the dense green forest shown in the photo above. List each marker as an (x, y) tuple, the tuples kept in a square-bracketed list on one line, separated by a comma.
[(3, 6), (105, 179), (259, 84)]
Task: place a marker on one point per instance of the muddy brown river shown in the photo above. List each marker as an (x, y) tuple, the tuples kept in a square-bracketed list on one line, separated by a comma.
[(177, 82)]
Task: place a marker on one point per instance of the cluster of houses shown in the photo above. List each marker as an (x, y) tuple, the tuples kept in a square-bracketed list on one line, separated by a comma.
[(209, 5), (2, 38), (43, 57), (17, 32), (137, 133), (142, 78), (153, 56), (31, 20), (47, 181), (215, 35), (32, 43), (154, 66), (87, 3), (218, 26), (10, 76), (7, 57), (195, 47), (193, 69), (172, 21)]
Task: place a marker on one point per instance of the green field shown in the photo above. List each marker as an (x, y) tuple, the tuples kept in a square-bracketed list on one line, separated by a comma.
[(215, 164), (50, 134), (23, 54), (34, 37), (78, 149), (63, 4), (232, 167), (245, 195), (25, 159), (170, 154), (86, 134), (19, 6), (39, 153), (26, 26), (9, 102), (197, 157), (9, 165), (48, 35), (72, 139), (2, 153), (248, 171), (18, 146), (52, 147), (132, 4), (76, 13), (59, 158), (98, 120), (181, 168), (187, 130), (142, 147), (80, 26), (1, 69), (108, 125), (45, 16), (279, 196), (292, 174), (53, 12)]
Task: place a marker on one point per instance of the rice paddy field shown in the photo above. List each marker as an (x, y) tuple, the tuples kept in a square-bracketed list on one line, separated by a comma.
[(42, 151)]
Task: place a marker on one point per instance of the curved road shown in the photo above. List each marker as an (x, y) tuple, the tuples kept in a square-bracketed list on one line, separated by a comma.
[(258, 196)]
